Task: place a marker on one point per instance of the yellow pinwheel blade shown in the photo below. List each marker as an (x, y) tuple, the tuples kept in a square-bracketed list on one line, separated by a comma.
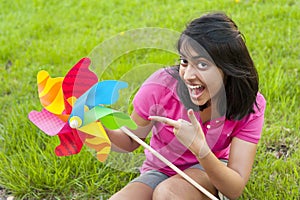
[(99, 140), (95, 129), (50, 92)]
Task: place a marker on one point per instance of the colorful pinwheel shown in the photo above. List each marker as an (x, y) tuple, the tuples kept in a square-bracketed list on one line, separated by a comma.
[(74, 110)]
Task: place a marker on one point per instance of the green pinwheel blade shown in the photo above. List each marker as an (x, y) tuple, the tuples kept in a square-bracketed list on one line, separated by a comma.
[(111, 119)]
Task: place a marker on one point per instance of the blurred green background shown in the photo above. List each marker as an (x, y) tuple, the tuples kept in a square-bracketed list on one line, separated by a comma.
[(54, 35)]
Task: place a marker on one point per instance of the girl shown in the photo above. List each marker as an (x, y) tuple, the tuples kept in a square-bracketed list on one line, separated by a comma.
[(206, 117)]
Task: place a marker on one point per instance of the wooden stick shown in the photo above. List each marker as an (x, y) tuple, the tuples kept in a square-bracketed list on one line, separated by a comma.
[(167, 162)]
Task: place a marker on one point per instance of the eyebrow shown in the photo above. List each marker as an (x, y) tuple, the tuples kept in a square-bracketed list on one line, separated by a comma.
[(193, 57), (197, 57)]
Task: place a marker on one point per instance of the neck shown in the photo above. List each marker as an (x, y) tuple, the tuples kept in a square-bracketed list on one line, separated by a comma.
[(210, 112)]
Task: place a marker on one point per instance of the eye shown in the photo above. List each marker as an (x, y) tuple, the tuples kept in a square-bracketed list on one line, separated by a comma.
[(202, 65), (183, 62)]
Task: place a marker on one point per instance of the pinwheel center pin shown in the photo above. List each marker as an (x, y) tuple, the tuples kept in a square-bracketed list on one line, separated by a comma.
[(75, 122)]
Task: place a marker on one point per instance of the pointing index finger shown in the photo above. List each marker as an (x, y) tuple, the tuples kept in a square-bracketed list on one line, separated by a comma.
[(165, 120)]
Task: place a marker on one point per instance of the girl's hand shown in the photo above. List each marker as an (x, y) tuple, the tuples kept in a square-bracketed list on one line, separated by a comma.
[(189, 134)]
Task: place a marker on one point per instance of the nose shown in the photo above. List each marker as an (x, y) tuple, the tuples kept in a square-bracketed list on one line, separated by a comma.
[(189, 72)]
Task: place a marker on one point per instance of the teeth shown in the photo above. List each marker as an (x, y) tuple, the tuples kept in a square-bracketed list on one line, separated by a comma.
[(194, 86)]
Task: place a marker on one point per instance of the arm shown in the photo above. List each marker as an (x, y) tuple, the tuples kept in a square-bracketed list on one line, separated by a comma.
[(123, 143), (231, 180)]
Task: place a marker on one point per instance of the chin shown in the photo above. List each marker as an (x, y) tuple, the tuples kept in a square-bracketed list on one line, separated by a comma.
[(198, 102)]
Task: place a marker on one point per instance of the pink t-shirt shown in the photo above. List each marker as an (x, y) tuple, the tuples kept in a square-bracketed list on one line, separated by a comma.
[(157, 96)]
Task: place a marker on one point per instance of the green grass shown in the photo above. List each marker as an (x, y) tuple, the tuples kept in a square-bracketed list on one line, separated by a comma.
[(54, 35)]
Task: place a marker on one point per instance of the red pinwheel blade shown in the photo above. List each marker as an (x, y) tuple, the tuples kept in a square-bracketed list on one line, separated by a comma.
[(70, 142), (77, 81)]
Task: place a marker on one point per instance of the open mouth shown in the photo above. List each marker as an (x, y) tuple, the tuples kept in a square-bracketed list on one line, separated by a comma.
[(196, 90)]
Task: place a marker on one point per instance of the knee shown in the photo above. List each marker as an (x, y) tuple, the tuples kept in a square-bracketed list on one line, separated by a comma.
[(165, 190), (177, 189)]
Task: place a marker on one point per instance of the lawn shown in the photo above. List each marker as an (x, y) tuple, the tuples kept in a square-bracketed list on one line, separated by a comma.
[(54, 35)]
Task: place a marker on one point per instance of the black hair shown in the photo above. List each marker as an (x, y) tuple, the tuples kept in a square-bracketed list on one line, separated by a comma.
[(220, 41)]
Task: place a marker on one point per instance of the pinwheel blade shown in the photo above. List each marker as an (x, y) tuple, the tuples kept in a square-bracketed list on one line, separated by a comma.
[(97, 139), (70, 142), (77, 81), (105, 92), (46, 121), (111, 119), (50, 92)]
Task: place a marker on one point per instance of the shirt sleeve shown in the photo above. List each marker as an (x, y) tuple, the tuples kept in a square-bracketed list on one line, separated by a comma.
[(250, 128), (147, 100)]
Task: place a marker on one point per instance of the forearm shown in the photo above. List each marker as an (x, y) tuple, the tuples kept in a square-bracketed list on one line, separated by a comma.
[(226, 180), (120, 142)]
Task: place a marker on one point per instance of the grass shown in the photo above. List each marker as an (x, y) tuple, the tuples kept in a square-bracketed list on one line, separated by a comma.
[(54, 35)]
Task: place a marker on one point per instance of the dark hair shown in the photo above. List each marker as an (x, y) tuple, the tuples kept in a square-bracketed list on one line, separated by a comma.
[(220, 41)]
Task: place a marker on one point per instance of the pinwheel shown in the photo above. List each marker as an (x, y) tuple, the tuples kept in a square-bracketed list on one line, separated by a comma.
[(74, 110)]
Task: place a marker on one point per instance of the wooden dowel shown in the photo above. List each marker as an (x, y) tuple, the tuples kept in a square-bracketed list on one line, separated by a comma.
[(167, 162)]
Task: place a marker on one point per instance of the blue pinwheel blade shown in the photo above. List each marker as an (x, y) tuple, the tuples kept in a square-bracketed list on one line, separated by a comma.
[(104, 92)]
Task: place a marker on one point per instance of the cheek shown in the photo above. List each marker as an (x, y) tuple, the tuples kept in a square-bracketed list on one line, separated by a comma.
[(219, 84), (181, 72), (214, 81)]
